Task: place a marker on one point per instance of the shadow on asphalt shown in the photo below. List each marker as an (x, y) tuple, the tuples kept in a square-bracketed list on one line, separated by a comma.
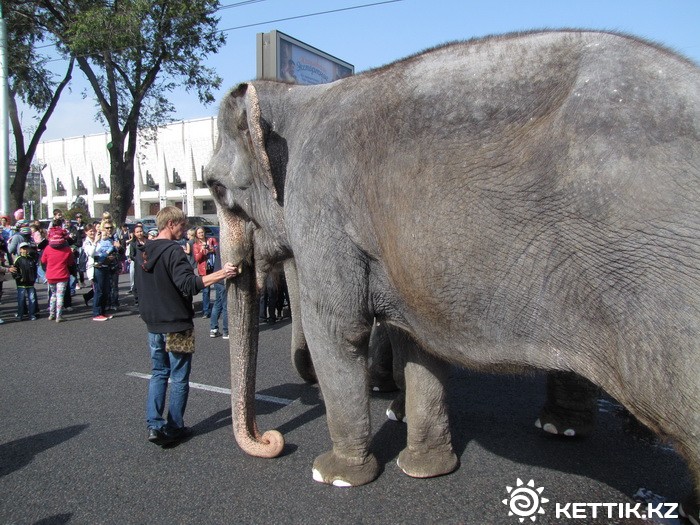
[(19, 453), (58, 519), (497, 413)]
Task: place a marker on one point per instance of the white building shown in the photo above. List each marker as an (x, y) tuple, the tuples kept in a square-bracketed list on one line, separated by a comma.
[(167, 171)]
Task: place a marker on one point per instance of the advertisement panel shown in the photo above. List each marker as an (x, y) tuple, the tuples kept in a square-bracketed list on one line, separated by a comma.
[(281, 57)]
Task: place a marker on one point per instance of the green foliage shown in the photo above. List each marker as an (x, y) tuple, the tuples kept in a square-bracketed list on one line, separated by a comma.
[(133, 53), (70, 214), (29, 79), (138, 51), (101, 27)]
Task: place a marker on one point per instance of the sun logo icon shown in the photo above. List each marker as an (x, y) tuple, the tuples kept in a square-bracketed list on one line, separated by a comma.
[(525, 501)]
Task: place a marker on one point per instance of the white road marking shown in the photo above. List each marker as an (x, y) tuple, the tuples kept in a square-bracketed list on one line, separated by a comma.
[(227, 391)]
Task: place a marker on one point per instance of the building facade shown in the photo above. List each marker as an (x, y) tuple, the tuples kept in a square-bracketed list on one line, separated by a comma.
[(168, 170)]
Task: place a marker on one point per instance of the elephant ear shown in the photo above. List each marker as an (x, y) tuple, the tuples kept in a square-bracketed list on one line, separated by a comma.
[(257, 135)]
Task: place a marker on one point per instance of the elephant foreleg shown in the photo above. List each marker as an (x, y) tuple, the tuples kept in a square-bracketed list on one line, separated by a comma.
[(342, 376), (301, 358), (381, 371), (398, 355), (428, 452)]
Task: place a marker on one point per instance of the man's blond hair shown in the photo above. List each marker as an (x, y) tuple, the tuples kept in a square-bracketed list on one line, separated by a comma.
[(169, 213)]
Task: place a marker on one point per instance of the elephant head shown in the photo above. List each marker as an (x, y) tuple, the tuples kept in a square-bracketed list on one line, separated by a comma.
[(240, 178)]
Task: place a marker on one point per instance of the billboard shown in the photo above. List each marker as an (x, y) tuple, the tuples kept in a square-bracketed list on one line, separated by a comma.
[(281, 57)]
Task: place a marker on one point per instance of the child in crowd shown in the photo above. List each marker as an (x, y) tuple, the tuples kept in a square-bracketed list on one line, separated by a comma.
[(59, 264), (58, 236), (24, 270)]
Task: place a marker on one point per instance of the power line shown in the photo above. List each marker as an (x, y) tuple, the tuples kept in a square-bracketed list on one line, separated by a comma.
[(239, 4), (309, 15), (247, 2)]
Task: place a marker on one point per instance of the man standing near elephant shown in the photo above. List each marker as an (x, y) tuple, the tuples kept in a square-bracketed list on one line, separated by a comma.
[(166, 284)]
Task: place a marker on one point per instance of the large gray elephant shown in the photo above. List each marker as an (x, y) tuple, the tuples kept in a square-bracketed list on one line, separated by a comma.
[(530, 200), (569, 410)]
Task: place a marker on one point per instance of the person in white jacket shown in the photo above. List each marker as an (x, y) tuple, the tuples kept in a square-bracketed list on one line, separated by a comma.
[(89, 250)]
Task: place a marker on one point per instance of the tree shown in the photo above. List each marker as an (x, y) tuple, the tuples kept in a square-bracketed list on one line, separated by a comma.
[(30, 81), (133, 53)]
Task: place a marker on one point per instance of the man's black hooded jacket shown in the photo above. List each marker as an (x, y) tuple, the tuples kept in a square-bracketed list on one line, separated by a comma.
[(165, 282)]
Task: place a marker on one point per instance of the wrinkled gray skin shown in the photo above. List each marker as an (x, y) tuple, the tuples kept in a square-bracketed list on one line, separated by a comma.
[(514, 202), (569, 410)]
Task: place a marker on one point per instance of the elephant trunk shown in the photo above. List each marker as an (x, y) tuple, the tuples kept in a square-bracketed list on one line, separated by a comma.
[(236, 247)]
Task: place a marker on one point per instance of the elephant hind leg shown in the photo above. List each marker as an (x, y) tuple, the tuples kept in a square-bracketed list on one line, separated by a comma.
[(428, 452), (570, 408)]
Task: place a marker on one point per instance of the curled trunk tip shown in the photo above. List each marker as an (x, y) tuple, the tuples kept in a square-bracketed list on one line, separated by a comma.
[(269, 445)]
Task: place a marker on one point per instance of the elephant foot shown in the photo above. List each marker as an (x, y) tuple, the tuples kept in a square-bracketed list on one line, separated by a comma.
[(383, 384), (428, 463), (690, 510), (571, 405), (397, 409), (334, 470), (566, 423)]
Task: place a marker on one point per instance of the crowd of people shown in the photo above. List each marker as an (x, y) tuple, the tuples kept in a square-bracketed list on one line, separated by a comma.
[(72, 255), (166, 270)]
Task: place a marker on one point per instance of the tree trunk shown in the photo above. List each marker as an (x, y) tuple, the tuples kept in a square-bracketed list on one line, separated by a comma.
[(121, 179), (25, 157)]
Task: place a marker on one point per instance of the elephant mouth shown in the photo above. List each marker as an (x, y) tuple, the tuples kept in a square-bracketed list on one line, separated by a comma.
[(226, 203)]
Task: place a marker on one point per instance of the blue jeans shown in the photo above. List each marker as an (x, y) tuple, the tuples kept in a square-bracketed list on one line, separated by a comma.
[(27, 294), (220, 309), (114, 289), (101, 281), (206, 301), (167, 365)]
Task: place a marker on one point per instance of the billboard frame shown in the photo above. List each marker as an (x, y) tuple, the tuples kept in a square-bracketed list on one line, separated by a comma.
[(269, 56)]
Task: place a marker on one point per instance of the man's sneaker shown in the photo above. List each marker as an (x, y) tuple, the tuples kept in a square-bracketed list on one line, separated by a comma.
[(168, 436), (160, 437), (225, 336), (100, 318), (59, 319), (51, 318), (214, 333)]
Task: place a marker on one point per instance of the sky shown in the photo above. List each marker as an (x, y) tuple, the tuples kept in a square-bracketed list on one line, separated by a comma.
[(375, 35)]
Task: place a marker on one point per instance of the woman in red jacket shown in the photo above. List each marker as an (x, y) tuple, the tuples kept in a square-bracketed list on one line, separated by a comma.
[(58, 262), (204, 251)]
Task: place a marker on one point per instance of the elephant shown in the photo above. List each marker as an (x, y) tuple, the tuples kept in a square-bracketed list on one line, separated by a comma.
[(512, 202), (571, 401), (570, 406)]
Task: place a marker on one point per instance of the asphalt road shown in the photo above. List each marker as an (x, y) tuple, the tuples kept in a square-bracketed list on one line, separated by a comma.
[(73, 445)]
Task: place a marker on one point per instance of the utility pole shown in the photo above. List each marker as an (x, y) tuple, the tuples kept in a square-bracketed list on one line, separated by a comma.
[(4, 125)]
